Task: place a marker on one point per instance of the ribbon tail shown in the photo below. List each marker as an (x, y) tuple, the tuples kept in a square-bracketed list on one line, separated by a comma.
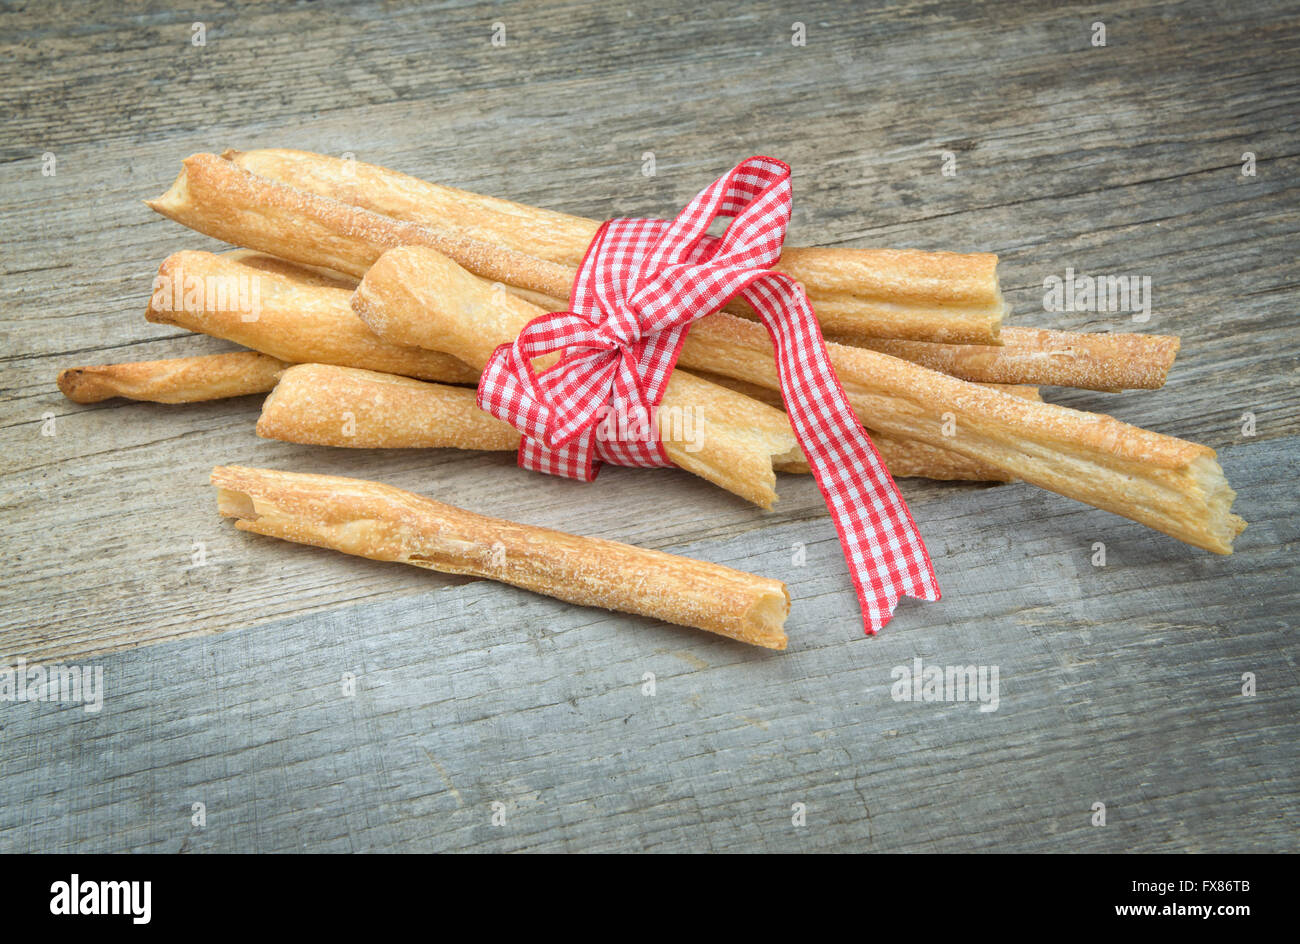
[(886, 564), (882, 574), (883, 549)]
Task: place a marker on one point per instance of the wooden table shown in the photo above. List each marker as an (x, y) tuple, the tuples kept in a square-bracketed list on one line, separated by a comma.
[(226, 683)]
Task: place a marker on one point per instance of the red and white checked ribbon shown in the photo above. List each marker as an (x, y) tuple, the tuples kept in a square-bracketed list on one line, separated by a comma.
[(642, 283)]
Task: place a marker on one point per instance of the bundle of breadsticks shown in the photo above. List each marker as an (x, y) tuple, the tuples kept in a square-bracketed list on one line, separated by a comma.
[(368, 301)]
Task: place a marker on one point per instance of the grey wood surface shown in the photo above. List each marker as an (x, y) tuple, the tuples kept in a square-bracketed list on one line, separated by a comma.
[(223, 683)]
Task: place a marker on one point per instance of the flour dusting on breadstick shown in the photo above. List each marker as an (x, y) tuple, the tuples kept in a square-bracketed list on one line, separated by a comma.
[(380, 522)]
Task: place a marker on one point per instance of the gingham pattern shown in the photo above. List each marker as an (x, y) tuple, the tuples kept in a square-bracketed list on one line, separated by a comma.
[(640, 286)]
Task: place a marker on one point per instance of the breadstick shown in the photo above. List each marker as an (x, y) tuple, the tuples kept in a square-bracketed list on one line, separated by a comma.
[(323, 405), (216, 198), (283, 310), (415, 296), (383, 523), (1052, 358), (940, 296), (178, 380), (905, 458), (893, 293), (1089, 361), (1168, 484)]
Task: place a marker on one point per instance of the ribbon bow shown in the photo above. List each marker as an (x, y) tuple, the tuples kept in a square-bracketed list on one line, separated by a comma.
[(641, 284)]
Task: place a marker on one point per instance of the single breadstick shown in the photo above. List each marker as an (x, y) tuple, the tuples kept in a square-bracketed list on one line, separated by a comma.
[(178, 380), (219, 199), (1168, 484), (416, 296), (546, 234), (1051, 358), (905, 293), (905, 458), (323, 405), (283, 310), (383, 523), (774, 398), (940, 296), (1106, 362)]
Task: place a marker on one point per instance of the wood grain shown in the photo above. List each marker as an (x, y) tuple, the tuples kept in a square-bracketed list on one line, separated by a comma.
[(1120, 684)]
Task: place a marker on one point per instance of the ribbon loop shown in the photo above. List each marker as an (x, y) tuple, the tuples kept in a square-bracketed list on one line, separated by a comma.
[(641, 284)]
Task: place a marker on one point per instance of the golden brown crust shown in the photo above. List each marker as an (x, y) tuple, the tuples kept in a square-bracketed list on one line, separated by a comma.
[(417, 296), (905, 458), (324, 405), (1165, 483), (380, 522), (557, 237), (1050, 358), (300, 316), (219, 199), (297, 272), (176, 380), (774, 398), (406, 283), (937, 296), (943, 297)]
